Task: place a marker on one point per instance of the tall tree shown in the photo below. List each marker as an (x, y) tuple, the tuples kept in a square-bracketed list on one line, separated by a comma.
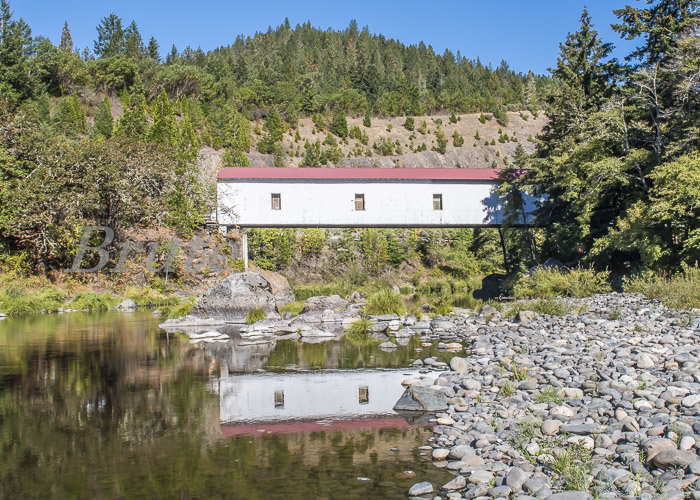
[(154, 49), (17, 82), (111, 39), (66, 44), (133, 41)]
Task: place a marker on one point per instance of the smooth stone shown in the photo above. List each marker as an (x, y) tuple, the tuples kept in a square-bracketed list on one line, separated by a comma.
[(420, 489), (674, 458), (550, 427), (570, 495), (440, 454), (690, 401), (655, 446), (480, 476), (459, 365), (457, 483), (516, 477), (500, 491), (687, 443)]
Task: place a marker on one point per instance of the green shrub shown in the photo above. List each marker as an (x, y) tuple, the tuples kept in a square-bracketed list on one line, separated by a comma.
[(256, 314), (544, 283), (409, 124), (385, 302), (149, 297), (359, 330), (181, 309), (680, 290)]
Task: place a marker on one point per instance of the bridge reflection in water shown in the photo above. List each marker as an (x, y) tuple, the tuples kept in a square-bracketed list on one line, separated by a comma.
[(310, 401)]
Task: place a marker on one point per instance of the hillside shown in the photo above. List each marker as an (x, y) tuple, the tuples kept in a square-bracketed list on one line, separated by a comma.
[(485, 152)]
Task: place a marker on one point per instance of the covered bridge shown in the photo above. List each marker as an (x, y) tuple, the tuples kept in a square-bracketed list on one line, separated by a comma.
[(358, 197)]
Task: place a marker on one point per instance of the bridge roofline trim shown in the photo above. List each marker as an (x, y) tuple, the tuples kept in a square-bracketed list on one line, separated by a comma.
[(360, 174)]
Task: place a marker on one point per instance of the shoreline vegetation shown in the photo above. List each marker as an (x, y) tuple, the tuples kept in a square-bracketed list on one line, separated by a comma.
[(539, 291)]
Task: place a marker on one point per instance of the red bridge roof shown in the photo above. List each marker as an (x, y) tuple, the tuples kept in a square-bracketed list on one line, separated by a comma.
[(442, 174)]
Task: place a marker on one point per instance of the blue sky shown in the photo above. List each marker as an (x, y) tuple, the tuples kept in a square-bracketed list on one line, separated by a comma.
[(524, 33)]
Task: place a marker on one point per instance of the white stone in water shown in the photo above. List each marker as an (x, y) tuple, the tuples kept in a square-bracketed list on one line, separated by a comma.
[(420, 489), (445, 421), (440, 453)]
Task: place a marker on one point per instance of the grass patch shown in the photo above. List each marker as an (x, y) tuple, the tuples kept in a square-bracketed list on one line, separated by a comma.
[(181, 309), (359, 330), (256, 314), (551, 307), (150, 297), (385, 302), (573, 465), (294, 307), (506, 389), (93, 301), (550, 394), (17, 299), (677, 290), (547, 283)]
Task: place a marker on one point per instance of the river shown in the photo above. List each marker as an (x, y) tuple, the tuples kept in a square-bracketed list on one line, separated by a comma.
[(108, 405)]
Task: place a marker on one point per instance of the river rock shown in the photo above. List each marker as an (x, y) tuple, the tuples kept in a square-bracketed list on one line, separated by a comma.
[(674, 458), (570, 495), (417, 398), (232, 298), (321, 303), (460, 365), (456, 484), (279, 285), (420, 489), (654, 446), (127, 305), (690, 401), (516, 478)]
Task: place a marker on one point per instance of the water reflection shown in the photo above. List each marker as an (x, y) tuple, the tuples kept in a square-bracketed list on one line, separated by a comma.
[(109, 405), (330, 395)]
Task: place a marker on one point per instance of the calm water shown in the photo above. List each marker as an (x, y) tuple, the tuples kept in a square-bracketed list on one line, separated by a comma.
[(110, 406)]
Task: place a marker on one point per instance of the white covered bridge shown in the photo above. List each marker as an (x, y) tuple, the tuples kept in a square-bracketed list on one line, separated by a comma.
[(358, 197)]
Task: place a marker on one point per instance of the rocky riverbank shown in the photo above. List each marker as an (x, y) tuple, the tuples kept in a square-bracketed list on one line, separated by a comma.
[(602, 402)]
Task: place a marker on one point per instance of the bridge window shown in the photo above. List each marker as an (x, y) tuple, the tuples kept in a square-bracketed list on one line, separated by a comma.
[(363, 397), (437, 202), (279, 399), (359, 202), (276, 201)]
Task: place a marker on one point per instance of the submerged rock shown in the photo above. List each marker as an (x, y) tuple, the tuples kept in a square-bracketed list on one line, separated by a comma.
[(418, 398)]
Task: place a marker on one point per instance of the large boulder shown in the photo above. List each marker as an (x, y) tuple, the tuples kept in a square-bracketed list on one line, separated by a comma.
[(234, 297), (334, 303), (418, 398), (281, 288)]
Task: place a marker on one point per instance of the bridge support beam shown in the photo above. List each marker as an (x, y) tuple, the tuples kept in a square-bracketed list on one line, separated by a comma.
[(244, 248)]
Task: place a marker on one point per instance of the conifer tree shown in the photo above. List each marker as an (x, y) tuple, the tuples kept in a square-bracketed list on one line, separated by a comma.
[(339, 124), (163, 130), (104, 123), (111, 39), (133, 42), (133, 123), (66, 44), (154, 49)]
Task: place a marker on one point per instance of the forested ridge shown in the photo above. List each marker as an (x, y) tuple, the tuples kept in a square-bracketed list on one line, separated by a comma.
[(110, 135)]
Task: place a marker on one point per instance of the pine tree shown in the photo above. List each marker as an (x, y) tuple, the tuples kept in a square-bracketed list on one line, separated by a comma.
[(173, 56), (339, 124), (163, 130), (111, 39), (133, 123), (133, 41), (66, 44), (154, 49), (104, 123)]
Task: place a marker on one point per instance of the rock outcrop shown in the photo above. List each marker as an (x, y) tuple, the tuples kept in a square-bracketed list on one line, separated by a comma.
[(231, 299)]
